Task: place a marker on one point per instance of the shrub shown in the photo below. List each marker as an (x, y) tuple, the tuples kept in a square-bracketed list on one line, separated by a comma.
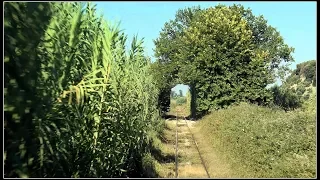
[(309, 90), (285, 98), (300, 90), (293, 79), (306, 83), (306, 97)]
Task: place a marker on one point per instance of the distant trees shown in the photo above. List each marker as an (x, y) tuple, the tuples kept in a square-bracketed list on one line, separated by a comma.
[(297, 88), (180, 99), (302, 79), (174, 95), (306, 71)]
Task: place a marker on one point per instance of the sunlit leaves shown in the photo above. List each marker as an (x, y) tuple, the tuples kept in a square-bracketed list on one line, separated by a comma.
[(223, 45), (84, 105)]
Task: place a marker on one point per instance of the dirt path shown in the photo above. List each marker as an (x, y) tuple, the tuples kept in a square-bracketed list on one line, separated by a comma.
[(189, 164), (189, 161)]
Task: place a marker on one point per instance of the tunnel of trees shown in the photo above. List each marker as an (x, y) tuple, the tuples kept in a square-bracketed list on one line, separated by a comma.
[(225, 54), (78, 103)]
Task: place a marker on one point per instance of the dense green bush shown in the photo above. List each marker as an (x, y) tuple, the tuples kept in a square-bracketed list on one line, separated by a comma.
[(260, 142), (308, 69), (293, 79), (285, 98), (309, 90), (300, 90), (76, 102), (306, 83), (306, 97)]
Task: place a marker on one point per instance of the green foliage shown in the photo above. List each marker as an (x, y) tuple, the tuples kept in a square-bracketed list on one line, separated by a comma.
[(310, 105), (76, 103), (181, 100), (164, 100), (161, 82), (309, 90), (167, 46), (285, 98), (226, 55), (305, 70), (300, 90), (306, 97), (293, 79), (302, 80), (260, 142)]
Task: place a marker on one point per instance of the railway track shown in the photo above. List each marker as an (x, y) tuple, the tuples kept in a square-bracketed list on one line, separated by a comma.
[(181, 122)]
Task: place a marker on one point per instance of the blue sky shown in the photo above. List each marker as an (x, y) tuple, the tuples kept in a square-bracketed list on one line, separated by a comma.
[(296, 21)]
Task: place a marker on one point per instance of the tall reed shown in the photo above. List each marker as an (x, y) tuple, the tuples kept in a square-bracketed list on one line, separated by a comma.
[(77, 102)]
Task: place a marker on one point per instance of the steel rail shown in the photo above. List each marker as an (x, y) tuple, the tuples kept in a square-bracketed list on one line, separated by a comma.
[(195, 142)]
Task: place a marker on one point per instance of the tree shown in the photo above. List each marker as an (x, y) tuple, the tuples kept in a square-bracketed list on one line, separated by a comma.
[(180, 93), (301, 79), (167, 48), (174, 95), (225, 54), (161, 79)]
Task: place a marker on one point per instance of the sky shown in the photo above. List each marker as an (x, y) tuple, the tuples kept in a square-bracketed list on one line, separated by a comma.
[(296, 21)]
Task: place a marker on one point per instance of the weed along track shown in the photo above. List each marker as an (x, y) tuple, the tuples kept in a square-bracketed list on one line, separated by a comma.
[(188, 159)]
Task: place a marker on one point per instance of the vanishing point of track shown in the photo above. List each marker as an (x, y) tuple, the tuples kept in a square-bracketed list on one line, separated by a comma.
[(194, 141)]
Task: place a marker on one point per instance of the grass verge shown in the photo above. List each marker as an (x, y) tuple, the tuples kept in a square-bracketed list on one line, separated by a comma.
[(159, 162), (263, 142)]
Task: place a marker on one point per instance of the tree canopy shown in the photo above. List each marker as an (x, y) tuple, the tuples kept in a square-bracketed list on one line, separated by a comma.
[(224, 53)]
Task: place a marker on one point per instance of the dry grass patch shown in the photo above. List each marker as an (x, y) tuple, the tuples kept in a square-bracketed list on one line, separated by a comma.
[(192, 171)]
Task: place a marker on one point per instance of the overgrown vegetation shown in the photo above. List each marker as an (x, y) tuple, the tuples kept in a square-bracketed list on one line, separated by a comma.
[(76, 102), (285, 98), (262, 142), (302, 79), (159, 163), (298, 89)]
